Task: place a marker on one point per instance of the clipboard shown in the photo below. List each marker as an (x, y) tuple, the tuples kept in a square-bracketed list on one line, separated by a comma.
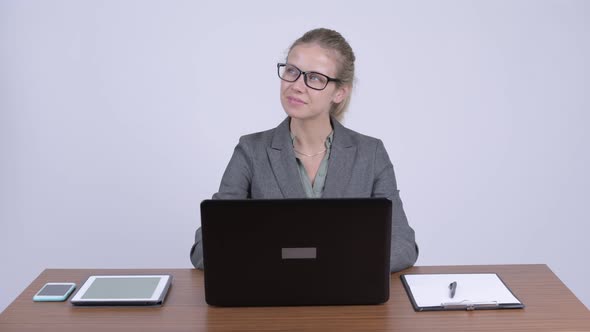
[(474, 291)]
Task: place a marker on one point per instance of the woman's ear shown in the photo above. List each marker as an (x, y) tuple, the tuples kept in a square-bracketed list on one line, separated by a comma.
[(341, 93)]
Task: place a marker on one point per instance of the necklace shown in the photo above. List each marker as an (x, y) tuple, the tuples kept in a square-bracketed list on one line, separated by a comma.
[(310, 155)]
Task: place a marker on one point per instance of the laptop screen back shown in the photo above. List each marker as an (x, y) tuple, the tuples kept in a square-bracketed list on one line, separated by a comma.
[(296, 251)]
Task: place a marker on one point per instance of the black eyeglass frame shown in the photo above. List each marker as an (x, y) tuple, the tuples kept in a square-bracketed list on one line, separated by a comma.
[(304, 73)]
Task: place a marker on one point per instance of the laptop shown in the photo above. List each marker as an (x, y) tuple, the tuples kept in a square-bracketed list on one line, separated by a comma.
[(296, 251)]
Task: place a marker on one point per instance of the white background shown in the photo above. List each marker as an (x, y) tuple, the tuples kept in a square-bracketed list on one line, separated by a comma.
[(118, 117)]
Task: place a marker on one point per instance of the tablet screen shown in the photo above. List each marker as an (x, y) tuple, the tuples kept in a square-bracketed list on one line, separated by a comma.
[(122, 288)]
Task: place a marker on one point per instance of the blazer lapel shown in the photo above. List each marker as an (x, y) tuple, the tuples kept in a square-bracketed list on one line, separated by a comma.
[(341, 162), (282, 160)]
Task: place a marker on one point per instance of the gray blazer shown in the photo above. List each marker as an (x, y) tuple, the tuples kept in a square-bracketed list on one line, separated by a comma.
[(263, 166)]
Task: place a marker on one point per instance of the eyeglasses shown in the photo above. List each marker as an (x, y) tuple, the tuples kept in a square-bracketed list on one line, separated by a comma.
[(312, 79)]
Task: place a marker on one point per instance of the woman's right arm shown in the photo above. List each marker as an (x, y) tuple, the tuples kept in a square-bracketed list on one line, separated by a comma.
[(236, 180), (235, 184)]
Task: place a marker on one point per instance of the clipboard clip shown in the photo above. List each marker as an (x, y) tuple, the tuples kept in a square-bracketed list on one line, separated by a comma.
[(470, 305)]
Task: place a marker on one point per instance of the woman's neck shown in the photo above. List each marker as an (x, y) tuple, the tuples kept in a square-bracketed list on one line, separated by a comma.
[(310, 134)]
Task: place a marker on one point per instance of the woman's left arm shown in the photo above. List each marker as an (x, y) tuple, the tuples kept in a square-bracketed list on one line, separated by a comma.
[(404, 251)]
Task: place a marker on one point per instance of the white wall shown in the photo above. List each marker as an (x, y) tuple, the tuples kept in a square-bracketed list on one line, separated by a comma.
[(118, 117)]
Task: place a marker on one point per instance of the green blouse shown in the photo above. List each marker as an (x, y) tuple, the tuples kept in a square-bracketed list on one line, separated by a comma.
[(317, 189)]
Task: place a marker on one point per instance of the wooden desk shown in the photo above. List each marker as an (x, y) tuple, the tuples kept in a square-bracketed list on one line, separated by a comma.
[(550, 306)]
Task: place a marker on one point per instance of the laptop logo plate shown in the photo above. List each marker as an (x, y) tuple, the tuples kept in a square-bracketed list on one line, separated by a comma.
[(299, 253)]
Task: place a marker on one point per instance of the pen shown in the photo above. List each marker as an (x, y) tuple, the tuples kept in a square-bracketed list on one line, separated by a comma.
[(453, 288)]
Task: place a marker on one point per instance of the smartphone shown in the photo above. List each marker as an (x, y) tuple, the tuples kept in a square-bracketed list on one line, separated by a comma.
[(54, 292)]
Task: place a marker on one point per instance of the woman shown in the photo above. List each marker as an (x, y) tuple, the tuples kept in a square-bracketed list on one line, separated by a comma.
[(310, 154)]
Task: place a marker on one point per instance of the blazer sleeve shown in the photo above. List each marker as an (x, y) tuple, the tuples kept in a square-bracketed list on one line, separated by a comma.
[(404, 251), (235, 184)]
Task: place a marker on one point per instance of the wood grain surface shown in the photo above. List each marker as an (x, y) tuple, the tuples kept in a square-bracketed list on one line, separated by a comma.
[(550, 306)]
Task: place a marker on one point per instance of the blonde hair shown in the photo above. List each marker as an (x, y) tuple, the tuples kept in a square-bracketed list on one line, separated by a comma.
[(333, 40)]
